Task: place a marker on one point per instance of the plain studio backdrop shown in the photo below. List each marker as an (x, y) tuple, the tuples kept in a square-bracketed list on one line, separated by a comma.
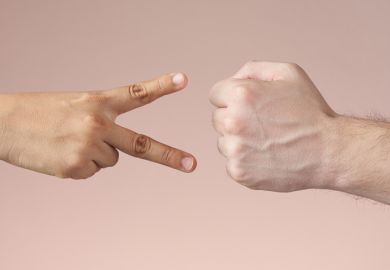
[(143, 216)]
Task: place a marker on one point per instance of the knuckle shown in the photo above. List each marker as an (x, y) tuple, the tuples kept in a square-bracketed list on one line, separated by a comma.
[(243, 94), (115, 158), (212, 91), (141, 145), (73, 164), (94, 121), (235, 149), (292, 65), (138, 91), (76, 161), (222, 84), (87, 140), (86, 146), (112, 160), (251, 63), (232, 125), (239, 174), (215, 87), (294, 68)]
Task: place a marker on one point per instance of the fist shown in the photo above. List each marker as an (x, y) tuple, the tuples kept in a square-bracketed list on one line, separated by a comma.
[(273, 127), (74, 134)]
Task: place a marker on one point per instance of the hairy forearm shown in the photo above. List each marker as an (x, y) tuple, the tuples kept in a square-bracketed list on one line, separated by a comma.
[(361, 157)]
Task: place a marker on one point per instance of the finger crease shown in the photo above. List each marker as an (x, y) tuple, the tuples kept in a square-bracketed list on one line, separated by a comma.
[(167, 155), (142, 144), (138, 91), (160, 85)]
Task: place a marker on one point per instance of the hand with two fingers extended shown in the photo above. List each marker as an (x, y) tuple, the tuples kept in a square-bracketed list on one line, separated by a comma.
[(74, 134)]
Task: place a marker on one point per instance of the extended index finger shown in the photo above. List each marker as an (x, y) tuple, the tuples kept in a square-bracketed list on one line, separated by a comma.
[(124, 99)]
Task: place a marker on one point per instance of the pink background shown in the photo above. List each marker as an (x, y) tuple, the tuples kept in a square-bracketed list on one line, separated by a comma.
[(143, 216)]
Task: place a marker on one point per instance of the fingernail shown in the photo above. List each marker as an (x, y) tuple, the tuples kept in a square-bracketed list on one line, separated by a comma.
[(178, 79), (187, 163)]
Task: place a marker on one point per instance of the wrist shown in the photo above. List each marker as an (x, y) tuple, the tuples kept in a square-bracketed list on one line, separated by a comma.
[(340, 150), (330, 168), (358, 159), (6, 108)]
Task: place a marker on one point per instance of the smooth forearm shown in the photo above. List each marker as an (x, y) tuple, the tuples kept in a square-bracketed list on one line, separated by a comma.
[(5, 111), (361, 157)]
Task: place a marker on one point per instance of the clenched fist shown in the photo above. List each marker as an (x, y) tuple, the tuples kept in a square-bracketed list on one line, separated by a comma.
[(74, 135), (274, 128)]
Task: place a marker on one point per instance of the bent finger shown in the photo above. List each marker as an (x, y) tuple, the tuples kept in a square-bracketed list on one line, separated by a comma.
[(106, 155), (219, 93), (87, 171), (219, 116)]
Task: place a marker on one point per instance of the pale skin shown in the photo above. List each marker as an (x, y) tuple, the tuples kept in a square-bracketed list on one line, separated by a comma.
[(279, 134), (74, 134)]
